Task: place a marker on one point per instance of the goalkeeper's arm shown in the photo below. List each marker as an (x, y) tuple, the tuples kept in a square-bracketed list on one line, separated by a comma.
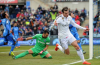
[(44, 49), (29, 38)]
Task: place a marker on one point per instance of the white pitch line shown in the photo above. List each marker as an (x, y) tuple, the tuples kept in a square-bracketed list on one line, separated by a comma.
[(14, 51), (26, 50), (75, 62), (97, 57)]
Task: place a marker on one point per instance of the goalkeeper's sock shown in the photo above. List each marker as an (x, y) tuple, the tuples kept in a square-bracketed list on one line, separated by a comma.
[(50, 57), (60, 48), (12, 48), (22, 55), (80, 54)]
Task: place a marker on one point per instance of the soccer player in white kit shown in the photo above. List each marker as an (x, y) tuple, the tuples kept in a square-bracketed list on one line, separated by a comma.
[(64, 34)]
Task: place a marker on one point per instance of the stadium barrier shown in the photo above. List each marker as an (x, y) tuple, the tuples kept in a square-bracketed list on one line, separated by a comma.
[(53, 41)]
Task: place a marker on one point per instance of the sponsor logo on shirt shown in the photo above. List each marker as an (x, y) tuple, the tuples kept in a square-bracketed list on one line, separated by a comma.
[(41, 42), (63, 18)]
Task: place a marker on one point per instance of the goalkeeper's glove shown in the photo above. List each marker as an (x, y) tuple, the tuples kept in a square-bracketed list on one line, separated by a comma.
[(24, 39), (41, 52)]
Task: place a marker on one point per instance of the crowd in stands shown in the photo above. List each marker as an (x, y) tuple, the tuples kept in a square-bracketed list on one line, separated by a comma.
[(96, 25), (33, 23)]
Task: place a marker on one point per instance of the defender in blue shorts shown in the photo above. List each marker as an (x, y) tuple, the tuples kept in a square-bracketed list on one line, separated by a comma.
[(74, 32)]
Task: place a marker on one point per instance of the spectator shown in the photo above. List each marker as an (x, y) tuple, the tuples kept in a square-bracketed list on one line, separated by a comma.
[(24, 8), (22, 14), (39, 8), (76, 11), (35, 30), (38, 17), (11, 11), (1, 8), (85, 11), (17, 9), (53, 14), (78, 22), (18, 15), (29, 9), (55, 6), (7, 8), (83, 14)]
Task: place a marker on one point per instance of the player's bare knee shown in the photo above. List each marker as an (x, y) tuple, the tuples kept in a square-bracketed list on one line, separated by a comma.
[(67, 52), (77, 48), (30, 51)]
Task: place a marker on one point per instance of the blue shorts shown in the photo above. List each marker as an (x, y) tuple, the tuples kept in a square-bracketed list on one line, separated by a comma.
[(76, 35), (10, 38)]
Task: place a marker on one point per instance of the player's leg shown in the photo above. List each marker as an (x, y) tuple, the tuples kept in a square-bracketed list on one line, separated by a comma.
[(78, 41), (22, 54), (17, 44), (10, 38), (6, 40), (79, 51), (46, 54), (64, 46)]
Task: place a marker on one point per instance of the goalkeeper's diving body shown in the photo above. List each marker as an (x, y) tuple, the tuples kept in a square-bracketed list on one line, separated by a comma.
[(65, 36), (42, 43)]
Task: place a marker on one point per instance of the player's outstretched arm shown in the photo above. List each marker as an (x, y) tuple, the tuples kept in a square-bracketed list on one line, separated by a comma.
[(24, 39), (29, 38), (77, 26)]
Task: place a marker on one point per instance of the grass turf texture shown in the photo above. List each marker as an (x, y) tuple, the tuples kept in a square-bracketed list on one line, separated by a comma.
[(58, 57)]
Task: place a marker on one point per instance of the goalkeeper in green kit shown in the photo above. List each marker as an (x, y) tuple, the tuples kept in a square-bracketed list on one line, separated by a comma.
[(42, 43)]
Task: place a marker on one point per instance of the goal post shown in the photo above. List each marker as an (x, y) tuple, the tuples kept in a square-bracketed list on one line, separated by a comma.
[(91, 29)]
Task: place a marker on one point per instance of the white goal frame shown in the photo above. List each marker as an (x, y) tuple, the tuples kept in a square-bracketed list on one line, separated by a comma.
[(91, 29)]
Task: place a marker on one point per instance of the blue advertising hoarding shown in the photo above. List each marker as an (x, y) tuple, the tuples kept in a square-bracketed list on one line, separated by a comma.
[(29, 42), (53, 41), (83, 40)]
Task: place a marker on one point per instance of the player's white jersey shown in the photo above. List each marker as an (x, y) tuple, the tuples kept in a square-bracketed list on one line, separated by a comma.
[(63, 26)]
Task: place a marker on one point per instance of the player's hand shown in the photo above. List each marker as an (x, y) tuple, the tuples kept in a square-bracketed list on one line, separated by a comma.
[(20, 39), (41, 52), (55, 23), (87, 29)]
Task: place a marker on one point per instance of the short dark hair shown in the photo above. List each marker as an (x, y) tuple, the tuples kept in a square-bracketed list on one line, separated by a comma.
[(4, 14), (46, 31), (65, 9)]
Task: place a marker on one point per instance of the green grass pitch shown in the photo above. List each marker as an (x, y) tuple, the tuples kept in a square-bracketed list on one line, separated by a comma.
[(58, 57)]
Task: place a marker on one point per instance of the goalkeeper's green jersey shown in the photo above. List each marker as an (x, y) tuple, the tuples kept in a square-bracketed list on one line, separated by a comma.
[(41, 42)]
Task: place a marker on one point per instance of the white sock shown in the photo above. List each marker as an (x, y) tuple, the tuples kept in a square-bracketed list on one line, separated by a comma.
[(61, 48), (80, 54)]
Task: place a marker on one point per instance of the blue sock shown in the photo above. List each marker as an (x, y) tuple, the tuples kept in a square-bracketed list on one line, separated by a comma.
[(18, 44), (12, 48), (79, 44)]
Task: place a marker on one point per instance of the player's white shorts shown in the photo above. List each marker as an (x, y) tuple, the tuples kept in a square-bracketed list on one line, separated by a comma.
[(68, 40)]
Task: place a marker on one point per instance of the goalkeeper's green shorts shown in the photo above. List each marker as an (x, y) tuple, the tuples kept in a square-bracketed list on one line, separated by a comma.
[(36, 51)]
